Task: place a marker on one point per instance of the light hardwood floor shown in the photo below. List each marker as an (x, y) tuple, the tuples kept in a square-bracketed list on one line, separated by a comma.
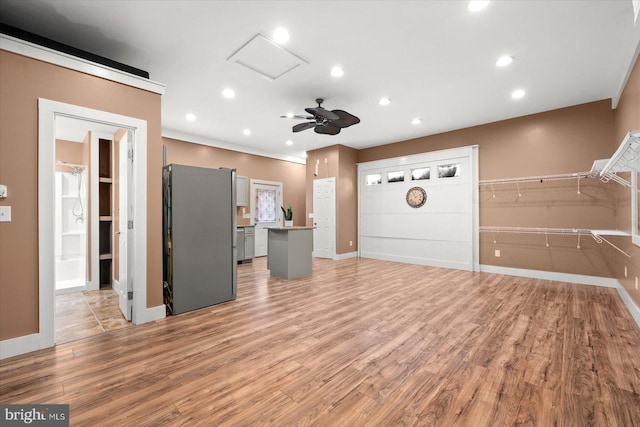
[(85, 314), (361, 342)]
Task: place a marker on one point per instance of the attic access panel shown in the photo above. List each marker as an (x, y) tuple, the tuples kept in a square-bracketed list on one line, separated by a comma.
[(266, 58)]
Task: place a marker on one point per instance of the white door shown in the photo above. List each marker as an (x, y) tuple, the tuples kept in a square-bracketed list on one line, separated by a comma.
[(125, 284), (266, 200), (324, 218)]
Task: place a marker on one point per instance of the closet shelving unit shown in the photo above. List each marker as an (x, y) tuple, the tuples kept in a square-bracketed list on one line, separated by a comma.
[(576, 233), (578, 176), (105, 200)]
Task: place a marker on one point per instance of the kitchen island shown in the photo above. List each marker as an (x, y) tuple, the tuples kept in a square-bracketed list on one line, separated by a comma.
[(289, 252)]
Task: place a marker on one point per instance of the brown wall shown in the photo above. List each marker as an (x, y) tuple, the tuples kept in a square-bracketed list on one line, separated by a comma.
[(71, 152), (254, 167), (561, 141), (627, 118), (339, 162), (558, 141), (347, 192), (23, 81)]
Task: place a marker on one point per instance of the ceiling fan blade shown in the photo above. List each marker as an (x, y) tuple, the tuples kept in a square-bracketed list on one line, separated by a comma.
[(327, 129), (344, 119), (298, 116), (303, 126), (322, 113)]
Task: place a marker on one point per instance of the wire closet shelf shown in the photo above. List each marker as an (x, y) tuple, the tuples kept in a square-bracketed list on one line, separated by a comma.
[(577, 233)]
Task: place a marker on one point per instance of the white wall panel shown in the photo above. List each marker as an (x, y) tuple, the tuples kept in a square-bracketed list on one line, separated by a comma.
[(441, 233)]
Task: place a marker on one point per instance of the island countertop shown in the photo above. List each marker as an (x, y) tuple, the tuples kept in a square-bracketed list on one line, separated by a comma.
[(289, 252), (295, 227)]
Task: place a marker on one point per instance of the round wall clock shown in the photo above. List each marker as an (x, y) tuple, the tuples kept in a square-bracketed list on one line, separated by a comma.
[(416, 197)]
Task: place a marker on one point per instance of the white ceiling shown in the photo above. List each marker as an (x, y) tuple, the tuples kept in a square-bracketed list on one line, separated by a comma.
[(434, 59)]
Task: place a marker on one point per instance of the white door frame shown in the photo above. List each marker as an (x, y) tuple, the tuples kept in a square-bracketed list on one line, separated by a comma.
[(47, 112)]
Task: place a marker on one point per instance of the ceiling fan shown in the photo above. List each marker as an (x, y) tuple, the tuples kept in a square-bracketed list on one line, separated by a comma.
[(324, 121)]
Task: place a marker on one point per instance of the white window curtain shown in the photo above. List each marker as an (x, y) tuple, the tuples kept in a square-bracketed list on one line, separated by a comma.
[(265, 206)]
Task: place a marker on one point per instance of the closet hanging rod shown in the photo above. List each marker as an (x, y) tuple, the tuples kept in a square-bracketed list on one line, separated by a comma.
[(597, 235), (556, 177)]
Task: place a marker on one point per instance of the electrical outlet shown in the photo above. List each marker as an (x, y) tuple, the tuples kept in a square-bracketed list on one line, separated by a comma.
[(497, 253), (625, 271), (636, 283), (3, 191), (350, 242), (5, 213)]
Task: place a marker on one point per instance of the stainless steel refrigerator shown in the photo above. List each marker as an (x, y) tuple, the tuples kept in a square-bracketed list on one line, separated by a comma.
[(199, 222)]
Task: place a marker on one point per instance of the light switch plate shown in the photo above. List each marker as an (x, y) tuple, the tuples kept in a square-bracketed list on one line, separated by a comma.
[(3, 191), (5, 213)]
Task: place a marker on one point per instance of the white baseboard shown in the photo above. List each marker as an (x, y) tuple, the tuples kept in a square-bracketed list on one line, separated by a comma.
[(340, 257), (631, 306), (607, 282), (419, 261), (20, 345), (153, 313)]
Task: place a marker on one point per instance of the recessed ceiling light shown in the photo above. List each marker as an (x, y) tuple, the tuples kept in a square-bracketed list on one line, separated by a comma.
[(384, 101), (289, 115), (190, 117), (289, 142), (247, 132), (337, 72), (281, 35), (517, 94), (477, 5), (228, 93), (416, 121), (503, 61)]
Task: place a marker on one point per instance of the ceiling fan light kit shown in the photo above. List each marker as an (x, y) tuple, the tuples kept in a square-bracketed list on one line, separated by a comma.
[(324, 121)]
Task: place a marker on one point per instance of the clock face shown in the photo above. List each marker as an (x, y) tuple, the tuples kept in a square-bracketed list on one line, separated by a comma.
[(416, 197)]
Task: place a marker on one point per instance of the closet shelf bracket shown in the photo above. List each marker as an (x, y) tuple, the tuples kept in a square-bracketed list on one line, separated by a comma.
[(625, 159)]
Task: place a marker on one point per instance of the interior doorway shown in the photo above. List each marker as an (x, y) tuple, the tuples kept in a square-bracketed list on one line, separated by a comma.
[(133, 177), (324, 218), (265, 203)]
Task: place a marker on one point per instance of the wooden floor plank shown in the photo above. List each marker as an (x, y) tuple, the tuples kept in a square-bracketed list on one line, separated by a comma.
[(360, 342)]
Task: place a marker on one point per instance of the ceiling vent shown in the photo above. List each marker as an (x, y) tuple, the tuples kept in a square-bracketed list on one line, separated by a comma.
[(266, 58)]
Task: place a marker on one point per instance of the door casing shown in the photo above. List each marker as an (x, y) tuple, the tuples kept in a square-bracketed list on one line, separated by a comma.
[(47, 112)]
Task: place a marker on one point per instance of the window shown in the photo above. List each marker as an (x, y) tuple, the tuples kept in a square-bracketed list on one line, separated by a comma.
[(397, 176), (374, 179), (449, 171), (265, 206), (420, 173)]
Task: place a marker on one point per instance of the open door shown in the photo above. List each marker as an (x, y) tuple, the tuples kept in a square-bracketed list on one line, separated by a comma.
[(126, 198)]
